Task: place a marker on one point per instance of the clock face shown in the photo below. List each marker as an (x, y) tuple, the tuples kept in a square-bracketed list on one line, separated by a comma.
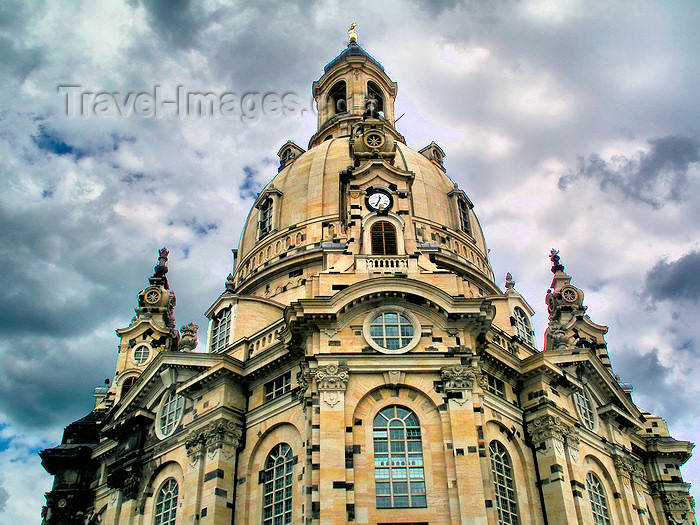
[(378, 201)]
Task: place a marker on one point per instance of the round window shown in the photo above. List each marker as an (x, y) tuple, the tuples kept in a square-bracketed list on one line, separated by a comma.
[(142, 353), (392, 330)]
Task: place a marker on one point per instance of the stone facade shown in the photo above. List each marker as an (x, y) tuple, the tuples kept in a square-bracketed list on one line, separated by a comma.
[(363, 366)]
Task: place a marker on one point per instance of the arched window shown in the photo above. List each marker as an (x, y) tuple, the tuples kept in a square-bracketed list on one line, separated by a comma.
[(127, 384), (166, 503), (170, 413), (398, 459), (337, 97), (277, 505), (221, 330), (504, 485), (596, 495), (522, 325), (374, 92), (383, 237)]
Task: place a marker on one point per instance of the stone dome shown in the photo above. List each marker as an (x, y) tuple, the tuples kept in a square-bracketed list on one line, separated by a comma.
[(359, 202)]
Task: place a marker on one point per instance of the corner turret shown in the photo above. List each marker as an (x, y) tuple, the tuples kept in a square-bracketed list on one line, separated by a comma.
[(569, 327)]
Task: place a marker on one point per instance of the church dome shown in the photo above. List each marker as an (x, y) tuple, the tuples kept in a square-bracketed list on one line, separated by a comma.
[(359, 202), (306, 193)]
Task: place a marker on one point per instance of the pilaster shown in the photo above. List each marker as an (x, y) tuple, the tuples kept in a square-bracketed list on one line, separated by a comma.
[(458, 384), (331, 382), (547, 433)]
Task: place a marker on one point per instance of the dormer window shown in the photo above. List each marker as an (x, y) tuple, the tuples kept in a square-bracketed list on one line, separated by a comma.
[(463, 214), (337, 97), (286, 156), (522, 325), (220, 331), (265, 222)]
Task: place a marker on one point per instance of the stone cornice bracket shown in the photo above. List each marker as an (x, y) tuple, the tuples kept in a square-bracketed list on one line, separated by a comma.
[(332, 378), (547, 426)]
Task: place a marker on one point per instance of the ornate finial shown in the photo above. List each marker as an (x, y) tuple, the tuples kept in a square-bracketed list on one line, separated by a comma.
[(351, 33), (230, 283), (188, 340), (510, 282), (160, 269), (556, 265)]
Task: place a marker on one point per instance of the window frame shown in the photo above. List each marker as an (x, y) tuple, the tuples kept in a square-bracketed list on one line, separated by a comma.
[(599, 507), (277, 387), (388, 229), (270, 477), (139, 348), (171, 511), (397, 465), (265, 216), (523, 326), (166, 425), (410, 316), (585, 410), (219, 342), (506, 500)]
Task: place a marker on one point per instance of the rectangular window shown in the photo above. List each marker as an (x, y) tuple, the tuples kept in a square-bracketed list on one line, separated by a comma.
[(496, 386), (278, 387)]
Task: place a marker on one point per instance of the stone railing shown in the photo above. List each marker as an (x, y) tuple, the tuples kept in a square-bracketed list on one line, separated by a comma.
[(384, 263)]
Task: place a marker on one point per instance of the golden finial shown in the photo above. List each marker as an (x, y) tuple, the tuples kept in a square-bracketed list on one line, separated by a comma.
[(352, 36)]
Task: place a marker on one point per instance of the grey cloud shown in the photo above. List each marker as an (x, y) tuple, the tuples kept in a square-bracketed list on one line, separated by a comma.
[(42, 387), (250, 186), (652, 177), (175, 20), (650, 376), (674, 280), (4, 496)]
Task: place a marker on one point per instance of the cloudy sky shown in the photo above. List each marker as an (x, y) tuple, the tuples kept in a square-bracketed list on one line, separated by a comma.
[(570, 124)]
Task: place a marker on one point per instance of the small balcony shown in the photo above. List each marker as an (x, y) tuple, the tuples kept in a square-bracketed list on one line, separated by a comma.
[(385, 264)]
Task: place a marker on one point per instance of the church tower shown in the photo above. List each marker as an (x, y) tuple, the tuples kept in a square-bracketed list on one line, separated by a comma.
[(363, 366)]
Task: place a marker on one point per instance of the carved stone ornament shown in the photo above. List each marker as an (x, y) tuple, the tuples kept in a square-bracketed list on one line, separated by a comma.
[(623, 466), (677, 501), (573, 442), (331, 382), (544, 427), (331, 378), (560, 339), (457, 378), (304, 379), (188, 339), (220, 435)]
